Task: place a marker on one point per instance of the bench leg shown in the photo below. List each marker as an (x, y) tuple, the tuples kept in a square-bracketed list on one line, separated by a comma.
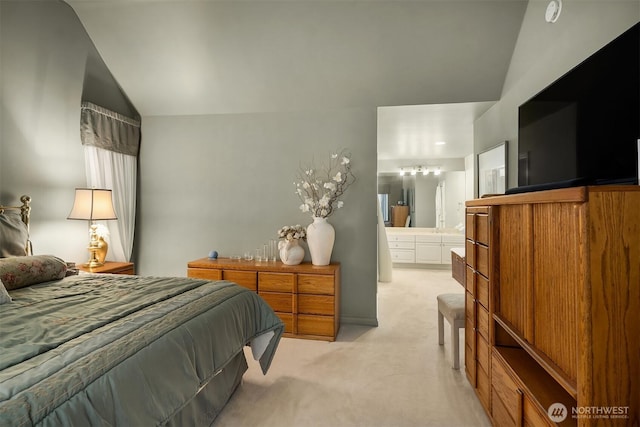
[(455, 345), (440, 328)]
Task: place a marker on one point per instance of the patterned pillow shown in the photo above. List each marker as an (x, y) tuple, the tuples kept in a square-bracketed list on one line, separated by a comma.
[(18, 272), (13, 235), (4, 295)]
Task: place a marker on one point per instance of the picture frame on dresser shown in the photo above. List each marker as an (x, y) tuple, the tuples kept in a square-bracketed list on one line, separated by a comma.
[(492, 170)]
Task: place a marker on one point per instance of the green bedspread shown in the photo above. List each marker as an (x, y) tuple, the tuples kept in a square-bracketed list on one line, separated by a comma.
[(121, 350)]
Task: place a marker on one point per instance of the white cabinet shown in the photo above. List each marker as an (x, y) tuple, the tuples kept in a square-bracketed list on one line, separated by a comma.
[(449, 242), (421, 247), (402, 248), (429, 249)]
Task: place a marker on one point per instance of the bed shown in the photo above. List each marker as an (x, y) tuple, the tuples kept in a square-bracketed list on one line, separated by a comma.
[(102, 349)]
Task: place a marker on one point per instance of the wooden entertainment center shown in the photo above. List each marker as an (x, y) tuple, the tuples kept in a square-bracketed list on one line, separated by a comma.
[(553, 306)]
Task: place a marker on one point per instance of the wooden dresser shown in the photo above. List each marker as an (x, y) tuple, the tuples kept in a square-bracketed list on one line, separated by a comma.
[(399, 214), (306, 297), (553, 306)]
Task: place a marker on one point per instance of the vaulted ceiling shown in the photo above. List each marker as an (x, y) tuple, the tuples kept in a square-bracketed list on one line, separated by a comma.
[(188, 57)]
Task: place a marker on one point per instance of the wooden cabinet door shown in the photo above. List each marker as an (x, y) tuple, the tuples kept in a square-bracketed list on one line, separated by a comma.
[(429, 253), (559, 273), (512, 284)]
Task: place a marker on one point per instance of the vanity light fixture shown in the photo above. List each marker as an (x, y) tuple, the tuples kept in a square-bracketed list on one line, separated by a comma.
[(420, 170), (440, 142)]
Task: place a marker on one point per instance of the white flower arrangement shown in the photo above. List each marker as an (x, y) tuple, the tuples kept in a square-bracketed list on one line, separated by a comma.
[(292, 232), (321, 189)]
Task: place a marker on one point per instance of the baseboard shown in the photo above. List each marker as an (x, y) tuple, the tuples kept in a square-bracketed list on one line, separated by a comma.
[(364, 321), (401, 265)]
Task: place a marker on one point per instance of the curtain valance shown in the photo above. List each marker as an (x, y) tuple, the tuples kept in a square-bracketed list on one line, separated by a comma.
[(109, 130)]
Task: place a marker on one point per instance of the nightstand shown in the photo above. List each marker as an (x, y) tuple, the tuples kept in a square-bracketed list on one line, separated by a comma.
[(110, 267)]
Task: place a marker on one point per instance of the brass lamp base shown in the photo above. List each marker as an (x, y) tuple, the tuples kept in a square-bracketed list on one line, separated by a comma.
[(93, 259), (93, 249)]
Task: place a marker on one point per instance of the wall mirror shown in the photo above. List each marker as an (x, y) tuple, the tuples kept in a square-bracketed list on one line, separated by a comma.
[(492, 170)]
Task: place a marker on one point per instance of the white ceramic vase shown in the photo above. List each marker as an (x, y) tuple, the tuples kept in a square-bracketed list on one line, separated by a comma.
[(320, 238), (291, 253)]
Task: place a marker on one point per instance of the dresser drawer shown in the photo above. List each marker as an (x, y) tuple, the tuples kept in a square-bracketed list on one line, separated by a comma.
[(276, 282), (505, 389), (287, 319), (470, 254), (282, 302), (483, 321), (470, 307), (429, 238), (316, 325), (403, 255), (482, 229), (482, 290), (483, 386), (533, 416), (483, 353), (499, 413), (470, 365), (316, 284), (482, 260), (204, 273), (401, 245), (470, 336), (470, 280), (247, 279), (316, 304), (401, 238), (470, 228)]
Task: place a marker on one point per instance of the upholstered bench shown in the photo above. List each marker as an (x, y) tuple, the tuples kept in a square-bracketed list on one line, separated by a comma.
[(451, 307)]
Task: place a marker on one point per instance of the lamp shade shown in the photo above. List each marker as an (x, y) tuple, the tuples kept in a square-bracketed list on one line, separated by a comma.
[(92, 204)]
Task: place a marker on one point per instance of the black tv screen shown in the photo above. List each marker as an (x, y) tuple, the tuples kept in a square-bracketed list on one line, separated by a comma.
[(584, 128)]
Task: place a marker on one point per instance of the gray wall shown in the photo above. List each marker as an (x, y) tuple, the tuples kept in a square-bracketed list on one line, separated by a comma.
[(542, 54), (225, 182), (47, 62), (210, 181)]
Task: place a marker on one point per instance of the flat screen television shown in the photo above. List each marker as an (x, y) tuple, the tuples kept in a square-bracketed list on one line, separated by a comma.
[(584, 129)]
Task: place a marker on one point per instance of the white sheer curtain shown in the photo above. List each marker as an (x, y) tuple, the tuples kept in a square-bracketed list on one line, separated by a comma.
[(111, 143)]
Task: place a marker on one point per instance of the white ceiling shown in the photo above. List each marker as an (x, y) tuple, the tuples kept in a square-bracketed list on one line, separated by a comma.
[(413, 135), (191, 57)]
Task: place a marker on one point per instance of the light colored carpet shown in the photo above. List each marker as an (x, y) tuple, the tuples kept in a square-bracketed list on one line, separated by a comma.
[(395, 374)]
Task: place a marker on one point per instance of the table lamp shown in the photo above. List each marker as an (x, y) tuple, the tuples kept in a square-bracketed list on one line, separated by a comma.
[(92, 205)]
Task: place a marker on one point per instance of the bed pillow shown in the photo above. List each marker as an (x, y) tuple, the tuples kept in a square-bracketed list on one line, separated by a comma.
[(13, 235), (4, 295), (18, 272)]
